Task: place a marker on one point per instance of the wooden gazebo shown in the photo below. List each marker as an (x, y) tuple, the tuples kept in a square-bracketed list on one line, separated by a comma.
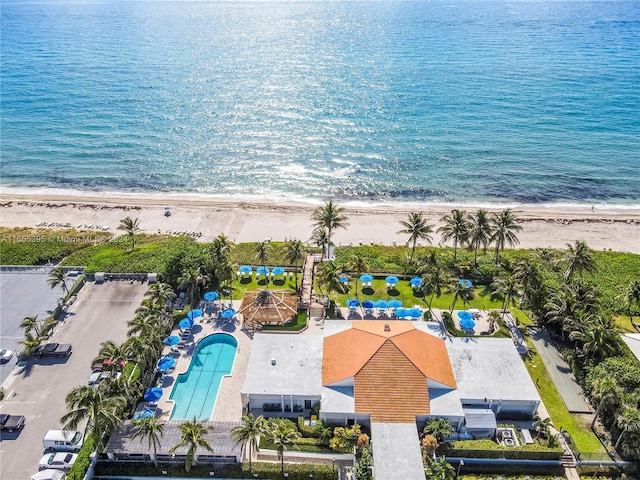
[(268, 307)]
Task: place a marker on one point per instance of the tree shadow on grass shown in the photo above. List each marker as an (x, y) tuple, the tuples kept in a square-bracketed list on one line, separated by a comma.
[(368, 291), (245, 280)]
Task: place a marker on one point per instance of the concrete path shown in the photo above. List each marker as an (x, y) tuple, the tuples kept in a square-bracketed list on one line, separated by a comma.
[(560, 372)]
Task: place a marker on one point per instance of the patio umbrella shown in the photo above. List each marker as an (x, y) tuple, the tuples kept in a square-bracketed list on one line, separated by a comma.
[(391, 280), (195, 313), (245, 269), (465, 315), (153, 394), (343, 280), (186, 323), (381, 304), (416, 282), (402, 312), (414, 313), (171, 340), (166, 363), (278, 270), (146, 413), (367, 304), (395, 303), (262, 271), (465, 282), (366, 278), (352, 303), (228, 313), (210, 296), (467, 323)]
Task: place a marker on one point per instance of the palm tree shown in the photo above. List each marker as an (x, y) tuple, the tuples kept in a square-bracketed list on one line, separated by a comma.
[(358, 265), (295, 254), (188, 280), (507, 288), (32, 324), (152, 429), (329, 217), (480, 232), (434, 284), (527, 274), (283, 438), (543, 426), (99, 411), (460, 290), (629, 422), (440, 428), (417, 228), (262, 255), (114, 355), (193, 436), (504, 231), (456, 228), (605, 390), (159, 295), (562, 310), (578, 258), (249, 433), (598, 336), (221, 248), (29, 343), (632, 296), (328, 277), (57, 277), (130, 227)]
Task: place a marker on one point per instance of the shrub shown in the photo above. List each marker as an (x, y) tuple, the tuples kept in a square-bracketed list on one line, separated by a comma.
[(310, 431), (491, 449), (79, 468)]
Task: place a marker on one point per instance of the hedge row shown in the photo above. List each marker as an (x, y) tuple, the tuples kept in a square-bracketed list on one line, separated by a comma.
[(80, 466), (490, 449)]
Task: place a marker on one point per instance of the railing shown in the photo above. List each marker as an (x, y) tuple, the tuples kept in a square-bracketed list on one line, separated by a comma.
[(37, 268)]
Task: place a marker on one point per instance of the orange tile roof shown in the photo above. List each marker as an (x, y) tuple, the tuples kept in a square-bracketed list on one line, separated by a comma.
[(346, 352)]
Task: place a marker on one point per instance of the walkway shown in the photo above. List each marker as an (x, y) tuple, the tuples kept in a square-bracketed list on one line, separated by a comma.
[(560, 373)]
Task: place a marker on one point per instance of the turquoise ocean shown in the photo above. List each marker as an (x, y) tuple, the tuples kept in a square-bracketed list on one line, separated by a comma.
[(473, 102)]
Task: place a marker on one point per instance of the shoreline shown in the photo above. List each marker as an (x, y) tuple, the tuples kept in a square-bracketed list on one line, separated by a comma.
[(543, 225)]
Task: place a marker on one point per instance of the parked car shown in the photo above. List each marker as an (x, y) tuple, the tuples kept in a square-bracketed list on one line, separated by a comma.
[(96, 377), (62, 441), (52, 350), (5, 355), (11, 422), (49, 474), (59, 461)]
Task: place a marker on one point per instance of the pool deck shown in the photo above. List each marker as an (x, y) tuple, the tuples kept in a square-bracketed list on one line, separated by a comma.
[(228, 405)]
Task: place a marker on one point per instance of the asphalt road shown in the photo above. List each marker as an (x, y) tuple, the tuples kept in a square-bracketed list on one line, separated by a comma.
[(38, 390), (22, 294)]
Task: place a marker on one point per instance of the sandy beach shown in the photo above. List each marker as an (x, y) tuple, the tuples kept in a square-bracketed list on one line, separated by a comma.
[(554, 227)]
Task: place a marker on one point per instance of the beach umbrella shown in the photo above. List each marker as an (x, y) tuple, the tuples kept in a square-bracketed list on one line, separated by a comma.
[(381, 304), (343, 280), (210, 296), (367, 304), (416, 282), (171, 340), (465, 282), (467, 323), (186, 323), (193, 314), (228, 313), (391, 280), (244, 269), (352, 303), (402, 312), (395, 303), (166, 363), (465, 315), (146, 413), (153, 394), (278, 270), (414, 313), (262, 271), (366, 278)]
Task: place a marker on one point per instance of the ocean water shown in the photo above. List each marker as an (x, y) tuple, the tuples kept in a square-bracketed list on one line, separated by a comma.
[(360, 101)]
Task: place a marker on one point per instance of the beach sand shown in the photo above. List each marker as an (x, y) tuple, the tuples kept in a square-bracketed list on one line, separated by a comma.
[(553, 227)]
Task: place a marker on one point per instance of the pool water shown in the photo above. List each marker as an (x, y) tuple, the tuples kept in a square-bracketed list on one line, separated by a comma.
[(196, 390)]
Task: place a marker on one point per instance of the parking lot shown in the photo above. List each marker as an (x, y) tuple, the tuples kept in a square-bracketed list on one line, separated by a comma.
[(38, 390), (22, 294)]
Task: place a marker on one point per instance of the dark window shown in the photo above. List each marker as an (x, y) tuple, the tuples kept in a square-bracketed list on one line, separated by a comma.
[(307, 404)]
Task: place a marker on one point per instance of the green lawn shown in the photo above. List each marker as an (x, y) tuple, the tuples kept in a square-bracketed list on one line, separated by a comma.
[(250, 283), (577, 427), (299, 324)]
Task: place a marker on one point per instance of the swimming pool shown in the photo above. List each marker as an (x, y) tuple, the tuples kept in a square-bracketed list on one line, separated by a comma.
[(196, 390)]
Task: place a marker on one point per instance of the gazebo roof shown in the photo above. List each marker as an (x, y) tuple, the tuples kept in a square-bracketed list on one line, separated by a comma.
[(269, 306)]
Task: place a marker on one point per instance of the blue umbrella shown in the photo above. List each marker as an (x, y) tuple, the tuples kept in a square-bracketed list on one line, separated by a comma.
[(366, 278), (262, 271), (146, 413), (465, 315), (245, 269), (166, 363), (278, 270), (466, 283), (343, 279), (228, 313), (416, 282), (171, 341), (153, 394), (186, 323), (395, 303), (352, 303), (467, 323), (195, 313), (381, 304), (210, 296), (391, 280), (367, 304), (414, 312), (402, 312)]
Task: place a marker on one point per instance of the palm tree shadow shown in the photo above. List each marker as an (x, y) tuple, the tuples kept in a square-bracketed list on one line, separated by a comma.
[(25, 370)]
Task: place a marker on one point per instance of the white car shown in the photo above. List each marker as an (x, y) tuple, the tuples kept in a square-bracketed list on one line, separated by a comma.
[(5, 355), (96, 377), (59, 461)]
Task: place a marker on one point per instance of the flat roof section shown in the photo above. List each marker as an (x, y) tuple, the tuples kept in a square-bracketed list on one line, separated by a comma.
[(633, 342), (297, 369), (396, 451)]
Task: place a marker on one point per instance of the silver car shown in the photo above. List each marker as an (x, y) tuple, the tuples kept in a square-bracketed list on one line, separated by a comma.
[(5, 355), (60, 461)]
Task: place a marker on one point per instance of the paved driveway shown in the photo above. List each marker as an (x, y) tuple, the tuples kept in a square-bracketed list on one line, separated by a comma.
[(560, 372), (38, 390)]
